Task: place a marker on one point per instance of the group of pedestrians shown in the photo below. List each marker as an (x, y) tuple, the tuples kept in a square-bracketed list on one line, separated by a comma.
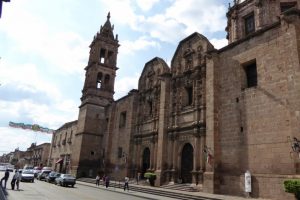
[(14, 182), (106, 180)]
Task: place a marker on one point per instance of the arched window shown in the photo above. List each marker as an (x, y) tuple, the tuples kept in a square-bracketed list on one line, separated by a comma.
[(99, 80), (102, 56)]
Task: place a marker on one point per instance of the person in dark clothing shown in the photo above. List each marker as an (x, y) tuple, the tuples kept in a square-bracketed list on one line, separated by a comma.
[(14, 179), (106, 181), (126, 183), (5, 178)]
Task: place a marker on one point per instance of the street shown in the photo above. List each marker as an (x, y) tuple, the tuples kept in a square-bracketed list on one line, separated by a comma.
[(43, 190)]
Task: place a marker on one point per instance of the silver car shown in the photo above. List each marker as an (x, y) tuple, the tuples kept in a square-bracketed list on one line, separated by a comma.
[(27, 175), (65, 180)]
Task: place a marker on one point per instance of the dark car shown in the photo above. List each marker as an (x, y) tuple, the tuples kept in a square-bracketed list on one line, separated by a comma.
[(52, 176), (27, 175), (65, 180), (43, 175)]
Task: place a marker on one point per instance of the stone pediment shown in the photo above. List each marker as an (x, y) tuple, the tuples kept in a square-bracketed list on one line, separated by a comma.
[(190, 54), (151, 72)]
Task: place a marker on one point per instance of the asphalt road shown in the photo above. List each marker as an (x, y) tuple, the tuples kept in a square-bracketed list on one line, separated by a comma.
[(41, 190)]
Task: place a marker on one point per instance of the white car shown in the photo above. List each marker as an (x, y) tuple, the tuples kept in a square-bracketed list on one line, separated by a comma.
[(27, 175), (36, 171)]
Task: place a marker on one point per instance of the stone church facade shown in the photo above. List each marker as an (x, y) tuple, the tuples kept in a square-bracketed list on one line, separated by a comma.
[(205, 120)]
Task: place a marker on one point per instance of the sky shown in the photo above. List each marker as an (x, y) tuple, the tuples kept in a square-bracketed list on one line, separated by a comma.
[(44, 48)]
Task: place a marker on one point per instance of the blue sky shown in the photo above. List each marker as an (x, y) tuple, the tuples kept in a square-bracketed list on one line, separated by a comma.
[(44, 50)]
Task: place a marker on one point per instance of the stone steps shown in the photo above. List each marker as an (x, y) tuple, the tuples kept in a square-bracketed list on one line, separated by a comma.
[(183, 187), (161, 191)]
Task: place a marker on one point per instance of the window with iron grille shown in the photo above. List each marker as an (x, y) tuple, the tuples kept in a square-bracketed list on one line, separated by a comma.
[(249, 24)]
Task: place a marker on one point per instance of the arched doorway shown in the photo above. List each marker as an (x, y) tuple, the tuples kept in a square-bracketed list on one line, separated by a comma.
[(187, 159), (146, 161)]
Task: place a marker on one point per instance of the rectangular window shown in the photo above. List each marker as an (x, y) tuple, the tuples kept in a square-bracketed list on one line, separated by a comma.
[(120, 152), (249, 24), (284, 6), (189, 95), (122, 121), (251, 75)]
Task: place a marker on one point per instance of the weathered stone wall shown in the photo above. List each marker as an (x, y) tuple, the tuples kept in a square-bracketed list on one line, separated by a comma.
[(120, 137), (256, 123), (62, 143)]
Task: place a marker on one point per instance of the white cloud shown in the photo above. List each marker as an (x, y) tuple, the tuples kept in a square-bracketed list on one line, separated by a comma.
[(125, 84), (30, 97), (27, 77), (51, 116), (181, 19), (142, 43), (219, 43), (198, 15), (163, 28), (64, 50), (146, 5), (12, 138), (122, 12)]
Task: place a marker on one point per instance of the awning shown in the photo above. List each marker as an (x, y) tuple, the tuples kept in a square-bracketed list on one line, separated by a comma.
[(59, 161)]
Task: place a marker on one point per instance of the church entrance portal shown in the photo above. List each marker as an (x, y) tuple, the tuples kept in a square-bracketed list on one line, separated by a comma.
[(146, 161), (187, 157)]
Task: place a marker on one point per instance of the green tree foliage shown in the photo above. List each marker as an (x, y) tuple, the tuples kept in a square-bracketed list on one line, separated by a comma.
[(292, 186)]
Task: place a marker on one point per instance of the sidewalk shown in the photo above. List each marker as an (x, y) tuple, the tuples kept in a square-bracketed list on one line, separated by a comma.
[(119, 188)]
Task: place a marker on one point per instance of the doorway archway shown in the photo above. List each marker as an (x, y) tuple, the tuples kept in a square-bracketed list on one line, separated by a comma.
[(187, 160), (146, 161)]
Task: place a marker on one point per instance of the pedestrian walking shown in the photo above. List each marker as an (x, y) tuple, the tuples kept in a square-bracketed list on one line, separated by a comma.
[(5, 178), (14, 179), (97, 180), (126, 183), (107, 181), (18, 178)]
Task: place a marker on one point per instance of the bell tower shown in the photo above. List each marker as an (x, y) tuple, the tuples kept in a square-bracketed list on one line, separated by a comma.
[(101, 70), (97, 94)]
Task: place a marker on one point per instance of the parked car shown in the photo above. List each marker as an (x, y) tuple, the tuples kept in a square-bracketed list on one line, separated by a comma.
[(27, 175), (65, 180), (52, 176), (28, 167), (2, 168), (11, 168), (42, 175), (46, 169), (36, 170)]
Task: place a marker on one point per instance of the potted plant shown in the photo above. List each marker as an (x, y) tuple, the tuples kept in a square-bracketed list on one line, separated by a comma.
[(293, 186), (151, 177)]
